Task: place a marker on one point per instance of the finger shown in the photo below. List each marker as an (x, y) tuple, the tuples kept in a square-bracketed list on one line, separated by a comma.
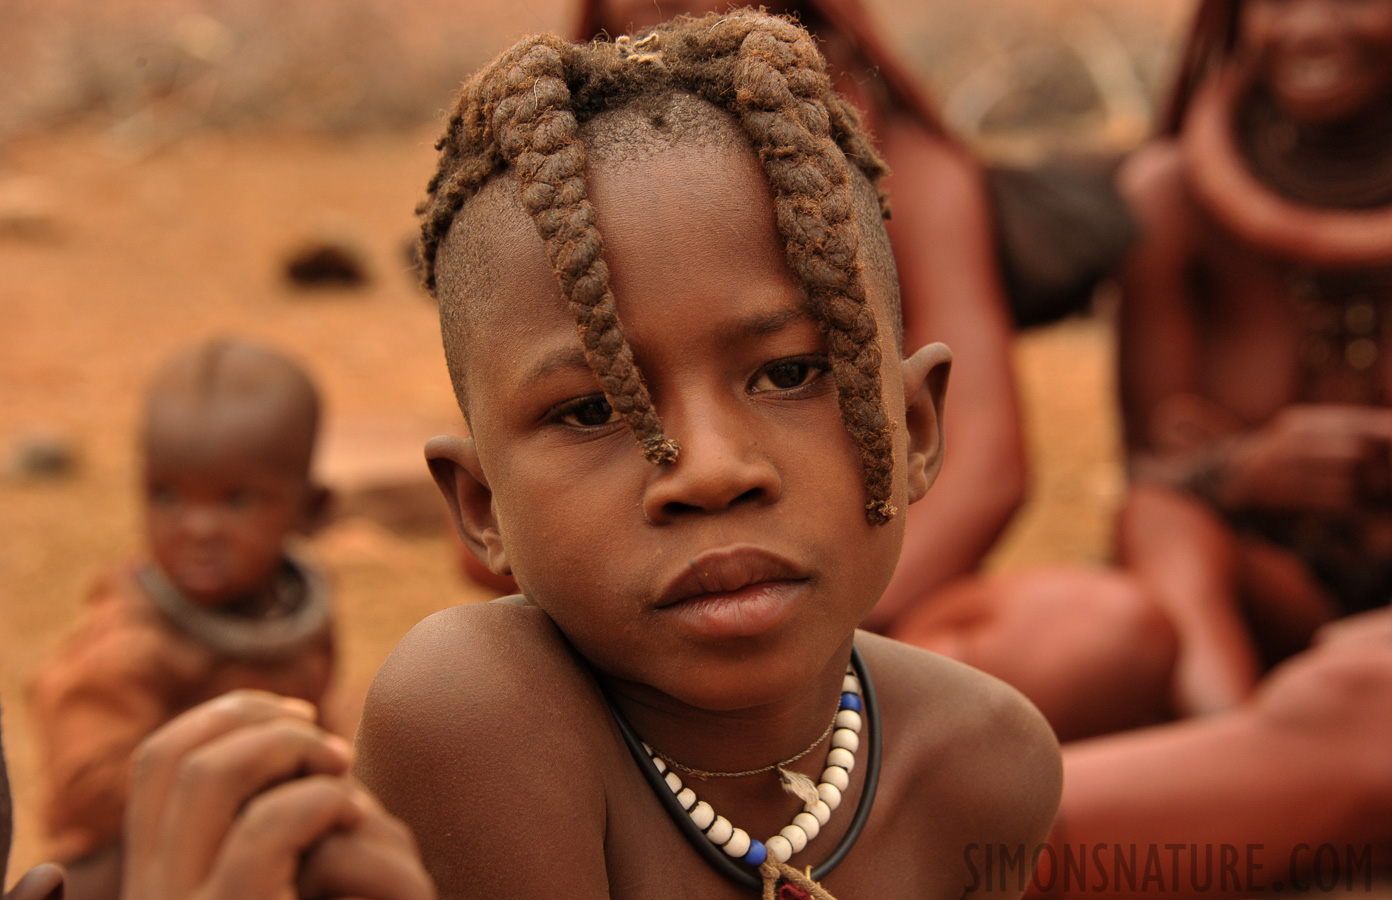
[(378, 860), (261, 854), (43, 882), (215, 780), (156, 761)]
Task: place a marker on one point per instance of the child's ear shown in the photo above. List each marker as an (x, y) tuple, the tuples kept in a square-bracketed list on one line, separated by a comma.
[(455, 465), (925, 386), (318, 509), (43, 882)]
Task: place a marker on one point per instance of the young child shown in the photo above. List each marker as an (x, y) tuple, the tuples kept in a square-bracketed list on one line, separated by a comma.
[(1079, 641), (219, 603), (670, 315)]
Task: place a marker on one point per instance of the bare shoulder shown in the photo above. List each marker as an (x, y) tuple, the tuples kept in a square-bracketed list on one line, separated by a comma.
[(490, 667), (464, 732), (965, 741)]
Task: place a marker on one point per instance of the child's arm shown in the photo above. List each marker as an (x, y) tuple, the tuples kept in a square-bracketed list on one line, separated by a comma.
[(244, 797)]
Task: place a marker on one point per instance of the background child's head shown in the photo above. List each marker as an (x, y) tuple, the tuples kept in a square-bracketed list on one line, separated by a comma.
[(538, 112), (228, 439)]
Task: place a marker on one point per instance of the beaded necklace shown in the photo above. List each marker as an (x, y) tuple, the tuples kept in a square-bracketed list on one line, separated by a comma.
[(731, 851)]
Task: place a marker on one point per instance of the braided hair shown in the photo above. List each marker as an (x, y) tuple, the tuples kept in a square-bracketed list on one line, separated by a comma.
[(524, 112)]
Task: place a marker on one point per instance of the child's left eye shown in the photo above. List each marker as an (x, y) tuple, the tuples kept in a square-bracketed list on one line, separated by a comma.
[(586, 412), (788, 374)]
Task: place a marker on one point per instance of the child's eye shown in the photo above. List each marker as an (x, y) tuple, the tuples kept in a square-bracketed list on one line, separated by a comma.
[(586, 412), (789, 374), (239, 499)]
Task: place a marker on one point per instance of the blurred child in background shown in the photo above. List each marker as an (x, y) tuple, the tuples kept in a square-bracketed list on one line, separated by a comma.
[(220, 601)]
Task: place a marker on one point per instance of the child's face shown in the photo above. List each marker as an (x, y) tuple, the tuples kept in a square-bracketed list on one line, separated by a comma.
[(724, 578), (219, 505), (1323, 60)]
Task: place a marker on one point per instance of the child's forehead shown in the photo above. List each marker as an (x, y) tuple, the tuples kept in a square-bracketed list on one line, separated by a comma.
[(650, 190), (185, 432)]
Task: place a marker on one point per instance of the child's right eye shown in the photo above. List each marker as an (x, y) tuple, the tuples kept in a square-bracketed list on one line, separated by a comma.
[(586, 412)]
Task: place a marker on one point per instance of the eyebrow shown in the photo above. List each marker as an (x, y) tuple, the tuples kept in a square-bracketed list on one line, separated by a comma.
[(772, 322), (555, 361), (755, 326), (763, 324)]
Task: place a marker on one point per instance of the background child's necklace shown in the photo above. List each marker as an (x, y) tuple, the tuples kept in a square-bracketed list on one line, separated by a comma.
[(721, 844)]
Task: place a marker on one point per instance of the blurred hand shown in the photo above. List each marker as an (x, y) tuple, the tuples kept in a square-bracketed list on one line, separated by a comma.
[(1313, 458), (245, 797)]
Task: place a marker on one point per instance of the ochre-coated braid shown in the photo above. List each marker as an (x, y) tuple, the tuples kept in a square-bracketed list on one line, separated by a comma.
[(780, 81), (541, 141), (524, 111)]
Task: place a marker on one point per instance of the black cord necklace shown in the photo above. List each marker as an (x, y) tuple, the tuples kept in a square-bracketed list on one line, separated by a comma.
[(718, 859)]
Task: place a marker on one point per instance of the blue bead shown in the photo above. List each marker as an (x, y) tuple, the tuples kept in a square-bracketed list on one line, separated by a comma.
[(757, 853), (850, 701)]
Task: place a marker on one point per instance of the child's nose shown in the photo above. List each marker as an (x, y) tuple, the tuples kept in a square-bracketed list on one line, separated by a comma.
[(720, 465), (201, 521)]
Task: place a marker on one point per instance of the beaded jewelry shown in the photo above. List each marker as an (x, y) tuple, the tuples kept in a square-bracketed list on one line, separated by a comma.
[(722, 844)]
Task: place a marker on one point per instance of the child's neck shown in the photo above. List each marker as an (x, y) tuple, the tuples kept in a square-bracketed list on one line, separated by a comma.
[(727, 741)]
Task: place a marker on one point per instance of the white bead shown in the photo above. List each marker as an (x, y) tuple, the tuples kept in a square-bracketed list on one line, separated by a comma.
[(779, 849), (673, 782), (836, 777), (845, 738), (842, 757), (720, 830), (702, 815), (821, 811), (808, 823), (850, 684), (658, 764), (796, 836), (848, 718), (830, 794), (687, 798), (738, 844), (647, 748)]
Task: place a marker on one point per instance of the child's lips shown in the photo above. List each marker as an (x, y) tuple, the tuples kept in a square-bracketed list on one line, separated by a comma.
[(735, 592)]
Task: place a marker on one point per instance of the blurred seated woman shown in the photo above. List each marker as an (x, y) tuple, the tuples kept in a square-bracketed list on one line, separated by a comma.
[(1254, 346)]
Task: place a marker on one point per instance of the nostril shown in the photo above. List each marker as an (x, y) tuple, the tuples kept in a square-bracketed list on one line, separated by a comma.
[(753, 494), (673, 508)]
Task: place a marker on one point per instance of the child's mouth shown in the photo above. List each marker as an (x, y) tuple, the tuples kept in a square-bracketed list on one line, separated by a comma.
[(735, 592)]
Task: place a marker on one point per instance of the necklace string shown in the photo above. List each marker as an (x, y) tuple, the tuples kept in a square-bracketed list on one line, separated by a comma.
[(713, 855), (703, 774)]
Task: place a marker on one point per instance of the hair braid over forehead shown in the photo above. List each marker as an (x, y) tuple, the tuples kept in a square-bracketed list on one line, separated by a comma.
[(524, 111)]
